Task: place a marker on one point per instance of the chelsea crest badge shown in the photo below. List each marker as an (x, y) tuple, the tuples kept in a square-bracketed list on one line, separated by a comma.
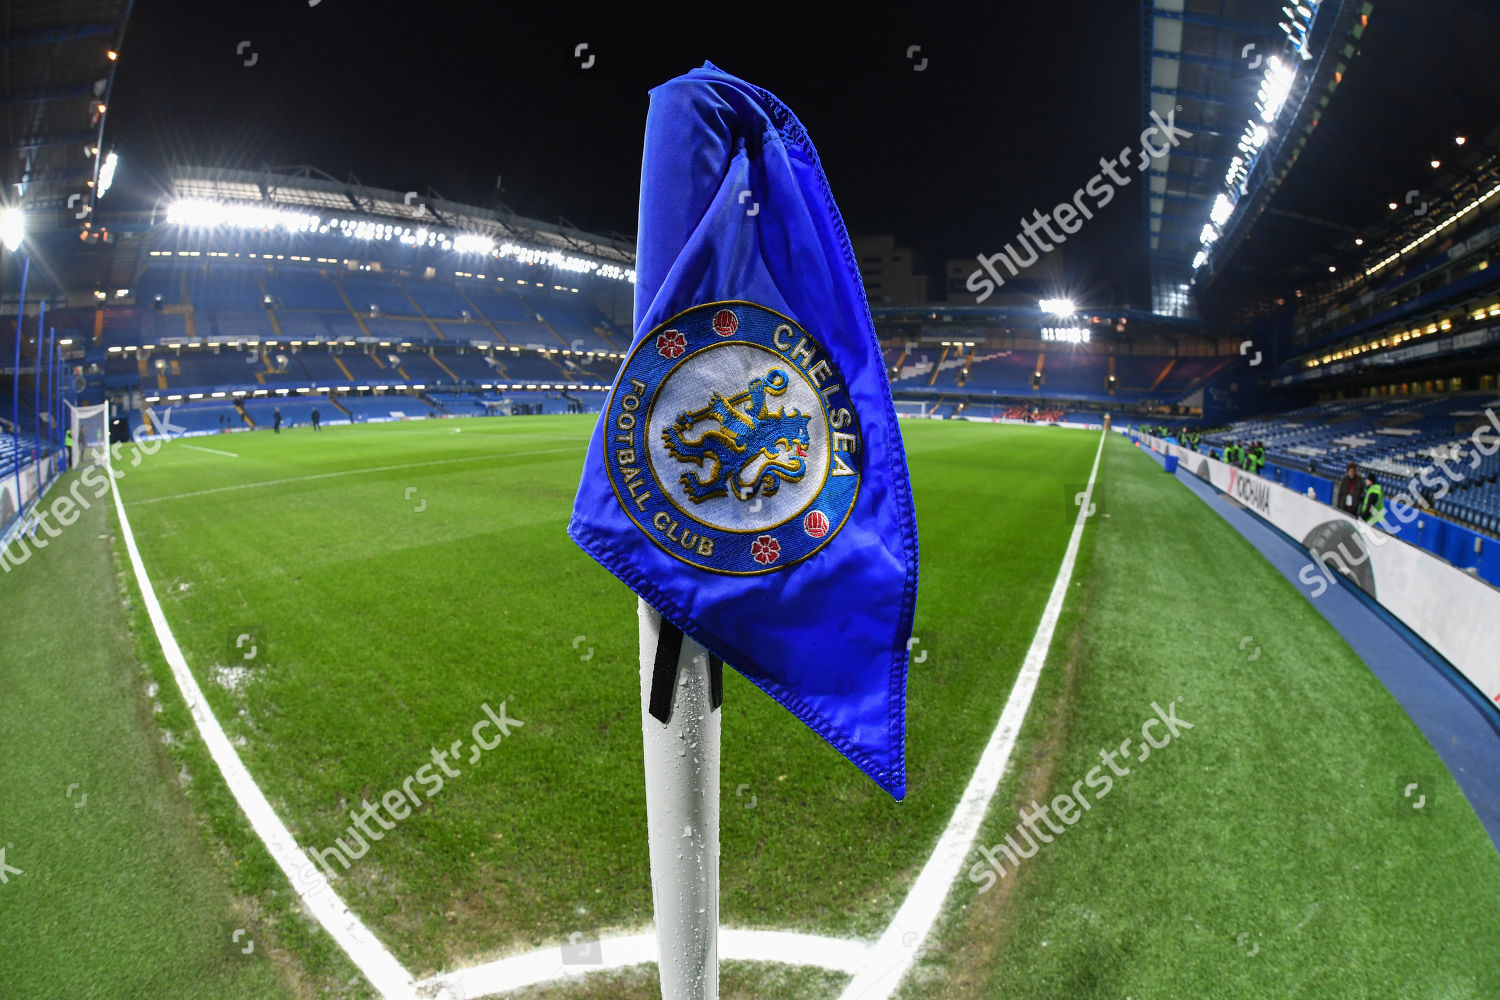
[(731, 441)]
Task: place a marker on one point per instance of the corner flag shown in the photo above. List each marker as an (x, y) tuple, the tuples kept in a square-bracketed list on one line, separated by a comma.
[(746, 477)]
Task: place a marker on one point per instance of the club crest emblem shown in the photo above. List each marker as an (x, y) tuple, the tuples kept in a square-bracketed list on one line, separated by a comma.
[(741, 432), (731, 441)]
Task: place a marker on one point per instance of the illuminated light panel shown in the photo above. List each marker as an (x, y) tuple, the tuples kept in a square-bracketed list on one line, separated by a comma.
[(1066, 334), (1451, 220)]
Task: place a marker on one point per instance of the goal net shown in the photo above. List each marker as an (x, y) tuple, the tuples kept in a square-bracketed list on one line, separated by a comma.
[(90, 428)]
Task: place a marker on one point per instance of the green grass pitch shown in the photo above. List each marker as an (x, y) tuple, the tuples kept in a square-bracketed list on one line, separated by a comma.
[(396, 578)]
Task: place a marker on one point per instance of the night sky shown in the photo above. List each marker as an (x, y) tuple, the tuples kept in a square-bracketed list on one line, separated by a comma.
[(1014, 107)]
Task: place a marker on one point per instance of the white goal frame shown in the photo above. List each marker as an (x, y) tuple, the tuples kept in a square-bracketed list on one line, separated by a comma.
[(90, 427)]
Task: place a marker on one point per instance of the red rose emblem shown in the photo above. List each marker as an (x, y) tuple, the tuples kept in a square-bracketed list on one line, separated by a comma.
[(765, 550), (671, 344)]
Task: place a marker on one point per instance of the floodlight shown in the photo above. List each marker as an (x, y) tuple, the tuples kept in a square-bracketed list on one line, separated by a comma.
[(1222, 210), (107, 174), (12, 228), (1057, 307)]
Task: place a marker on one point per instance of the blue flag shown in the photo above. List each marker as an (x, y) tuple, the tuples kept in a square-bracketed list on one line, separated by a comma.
[(746, 477)]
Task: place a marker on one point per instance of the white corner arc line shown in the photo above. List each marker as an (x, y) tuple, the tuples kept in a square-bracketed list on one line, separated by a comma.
[(372, 958), (898, 947), (639, 948), (211, 451), (794, 948), (379, 966)]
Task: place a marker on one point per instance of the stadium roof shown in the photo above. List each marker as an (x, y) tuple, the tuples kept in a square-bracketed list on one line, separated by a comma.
[(322, 214), (57, 63), (1385, 169), (305, 188), (1249, 82)]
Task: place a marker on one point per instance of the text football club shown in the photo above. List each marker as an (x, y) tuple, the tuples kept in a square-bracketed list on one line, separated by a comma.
[(731, 440)]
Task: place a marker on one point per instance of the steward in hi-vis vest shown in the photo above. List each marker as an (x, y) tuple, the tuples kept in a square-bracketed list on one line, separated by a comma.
[(1373, 506)]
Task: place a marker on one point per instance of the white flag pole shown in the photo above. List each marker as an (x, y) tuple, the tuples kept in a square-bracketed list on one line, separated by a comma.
[(682, 805)]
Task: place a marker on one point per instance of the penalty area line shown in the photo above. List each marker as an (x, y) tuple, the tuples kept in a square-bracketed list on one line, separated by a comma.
[(211, 451), (918, 914)]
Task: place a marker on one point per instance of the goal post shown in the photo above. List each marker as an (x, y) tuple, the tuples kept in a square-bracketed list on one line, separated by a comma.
[(90, 427)]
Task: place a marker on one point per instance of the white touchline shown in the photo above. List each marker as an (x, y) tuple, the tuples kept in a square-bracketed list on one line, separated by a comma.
[(898, 946), (903, 938), (211, 451), (346, 472), (379, 966)]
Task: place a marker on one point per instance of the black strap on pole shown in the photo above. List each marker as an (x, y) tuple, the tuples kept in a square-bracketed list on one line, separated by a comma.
[(715, 682), (664, 676), (664, 673)]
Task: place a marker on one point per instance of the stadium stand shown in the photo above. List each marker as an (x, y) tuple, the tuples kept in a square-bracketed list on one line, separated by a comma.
[(1005, 372), (1054, 375), (576, 331), (438, 301), (386, 407), (316, 366), (397, 329), (295, 289), (303, 325), (460, 404), (201, 416), (467, 366), (1410, 443), (466, 330), (1187, 373), (372, 295), (529, 366), (121, 372), (365, 367), (419, 368), (1076, 375), (18, 451)]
